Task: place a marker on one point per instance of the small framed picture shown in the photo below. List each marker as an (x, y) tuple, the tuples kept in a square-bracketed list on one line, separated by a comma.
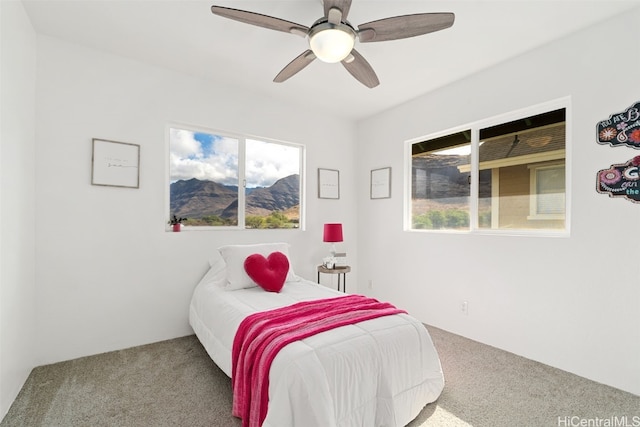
[(115, 164), (328, 184), (381, 183)]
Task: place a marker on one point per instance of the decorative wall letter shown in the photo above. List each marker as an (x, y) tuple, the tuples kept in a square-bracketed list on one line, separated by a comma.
[(621, 180), (621, 128)]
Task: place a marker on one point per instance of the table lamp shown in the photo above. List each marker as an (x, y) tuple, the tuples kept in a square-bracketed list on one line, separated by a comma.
[(332, 234)]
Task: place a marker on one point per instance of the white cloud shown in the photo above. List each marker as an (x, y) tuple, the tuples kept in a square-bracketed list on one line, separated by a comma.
[(266, 163), (189, 160), (218, 161), (183, 144)]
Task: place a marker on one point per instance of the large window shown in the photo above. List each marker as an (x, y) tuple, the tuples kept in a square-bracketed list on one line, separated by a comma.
[(223, 180), (509, 175)]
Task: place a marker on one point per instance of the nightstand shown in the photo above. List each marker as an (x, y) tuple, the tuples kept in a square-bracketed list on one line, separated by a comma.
[(340, 271)]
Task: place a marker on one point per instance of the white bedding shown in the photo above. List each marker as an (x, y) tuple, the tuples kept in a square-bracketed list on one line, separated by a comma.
[(380, 372)]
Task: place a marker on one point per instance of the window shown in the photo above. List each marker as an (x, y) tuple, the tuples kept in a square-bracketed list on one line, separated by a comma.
[(547, 190), (493, 176), (440, 189), (223, 180)]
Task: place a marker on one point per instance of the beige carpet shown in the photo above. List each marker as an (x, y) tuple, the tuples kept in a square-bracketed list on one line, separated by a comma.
[(174, 383)]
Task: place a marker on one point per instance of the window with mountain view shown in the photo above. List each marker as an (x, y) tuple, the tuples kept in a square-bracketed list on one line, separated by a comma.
[(212, 187), (517, 180)]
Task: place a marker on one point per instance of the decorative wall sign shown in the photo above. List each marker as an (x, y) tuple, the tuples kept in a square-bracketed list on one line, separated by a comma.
[(115, 164), (621, 180), (380, 183), (328, 183), (621, 128)]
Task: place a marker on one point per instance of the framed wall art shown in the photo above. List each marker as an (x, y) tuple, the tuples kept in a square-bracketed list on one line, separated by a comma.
[(328, 184), (381, 183), (115, 164)]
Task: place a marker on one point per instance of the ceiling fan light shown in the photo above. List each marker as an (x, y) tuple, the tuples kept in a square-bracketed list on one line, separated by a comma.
[(332, 44)]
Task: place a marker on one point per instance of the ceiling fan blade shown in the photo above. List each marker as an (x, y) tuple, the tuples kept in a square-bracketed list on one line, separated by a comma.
[(359, 68), (296, 65), (260, 20), (343, 5), (402, 27)]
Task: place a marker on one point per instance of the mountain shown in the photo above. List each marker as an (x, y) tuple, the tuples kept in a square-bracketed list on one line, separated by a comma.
[(282, 195), (195, 198)]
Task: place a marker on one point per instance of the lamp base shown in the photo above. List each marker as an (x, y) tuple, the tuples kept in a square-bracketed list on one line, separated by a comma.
[(329, 262)]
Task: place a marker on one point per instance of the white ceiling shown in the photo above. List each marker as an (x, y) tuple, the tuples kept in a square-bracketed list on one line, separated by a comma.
[(184, 35)]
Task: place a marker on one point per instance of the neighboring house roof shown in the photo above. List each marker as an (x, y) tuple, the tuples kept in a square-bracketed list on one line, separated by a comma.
[(541, 144), (526, 143)]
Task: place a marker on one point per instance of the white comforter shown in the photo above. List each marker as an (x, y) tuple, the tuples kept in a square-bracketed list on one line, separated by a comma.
[(380, 372)]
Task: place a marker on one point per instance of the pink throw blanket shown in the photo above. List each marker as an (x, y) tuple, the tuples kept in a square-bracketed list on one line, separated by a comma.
[(261, 335)]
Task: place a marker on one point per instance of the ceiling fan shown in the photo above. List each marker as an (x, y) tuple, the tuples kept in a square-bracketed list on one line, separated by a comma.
[(332, 37)]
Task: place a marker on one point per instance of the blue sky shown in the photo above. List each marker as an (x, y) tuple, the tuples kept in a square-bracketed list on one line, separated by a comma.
[(212, 157), (206, 141)]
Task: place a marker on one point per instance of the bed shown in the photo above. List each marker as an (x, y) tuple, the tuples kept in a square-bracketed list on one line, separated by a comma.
[(379, 372)]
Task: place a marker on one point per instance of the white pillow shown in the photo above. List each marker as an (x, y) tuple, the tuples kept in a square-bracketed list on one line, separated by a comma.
[(216, 259), (234, 256), (217, 273)]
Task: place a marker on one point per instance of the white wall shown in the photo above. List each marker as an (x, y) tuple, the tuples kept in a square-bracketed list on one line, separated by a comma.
[(108, 274), (573, 303), (17, 191)]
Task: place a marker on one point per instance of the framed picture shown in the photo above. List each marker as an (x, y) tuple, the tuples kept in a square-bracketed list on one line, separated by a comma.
[(115, 164), (328, 184), (381, 183)]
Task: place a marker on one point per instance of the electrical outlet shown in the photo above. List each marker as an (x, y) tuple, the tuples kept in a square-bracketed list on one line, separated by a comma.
[(464, 307)]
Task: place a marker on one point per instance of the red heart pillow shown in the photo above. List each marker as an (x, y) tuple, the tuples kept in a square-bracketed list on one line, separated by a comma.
[(270, 272)]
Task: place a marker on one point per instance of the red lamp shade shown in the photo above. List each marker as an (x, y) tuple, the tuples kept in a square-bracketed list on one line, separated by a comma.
[(332, 233)]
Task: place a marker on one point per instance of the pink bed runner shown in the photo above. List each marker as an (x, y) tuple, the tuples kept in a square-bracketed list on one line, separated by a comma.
[(261, 335)]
